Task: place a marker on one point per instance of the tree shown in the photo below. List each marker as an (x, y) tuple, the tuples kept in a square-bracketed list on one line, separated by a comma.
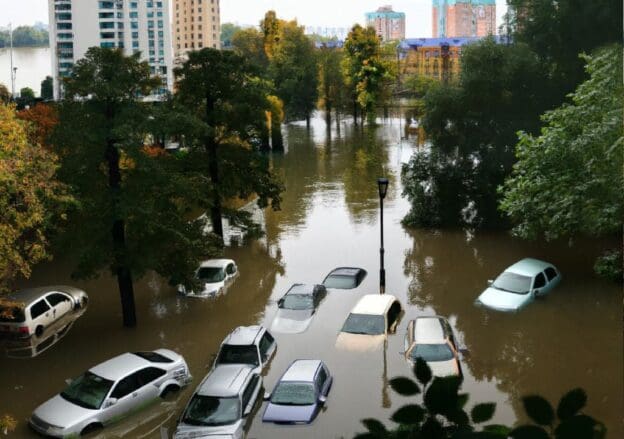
[(442, 414), (331, 90), (472, 127), (5, 94), (227, 32), (364, 69), (42, 119), (133, 207), (568, 179), (249, 43), (47, 92), (32, 200), (292, 68), (222, 91), (26, 97)]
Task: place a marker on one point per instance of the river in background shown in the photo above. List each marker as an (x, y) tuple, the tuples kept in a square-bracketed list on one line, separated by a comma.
[(329, 218), (33, 65)]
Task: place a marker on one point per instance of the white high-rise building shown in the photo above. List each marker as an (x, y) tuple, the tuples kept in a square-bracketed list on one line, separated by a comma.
[(132, 25)]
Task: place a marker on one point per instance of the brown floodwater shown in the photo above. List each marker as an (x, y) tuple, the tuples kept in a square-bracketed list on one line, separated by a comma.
[(329, 218)]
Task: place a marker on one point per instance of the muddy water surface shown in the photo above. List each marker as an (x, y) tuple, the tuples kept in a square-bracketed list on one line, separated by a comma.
[(329, 218)]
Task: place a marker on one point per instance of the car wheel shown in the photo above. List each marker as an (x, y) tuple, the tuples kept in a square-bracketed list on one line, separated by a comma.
[(91, 428), (169, 389), (39, 331)]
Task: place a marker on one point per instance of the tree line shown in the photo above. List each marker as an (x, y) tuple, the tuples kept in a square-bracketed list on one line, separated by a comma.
[(529, 137), (25, 36)]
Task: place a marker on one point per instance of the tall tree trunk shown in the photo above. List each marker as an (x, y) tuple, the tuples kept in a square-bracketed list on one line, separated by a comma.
[(355, 112), (120, 265), (213, 171), (337, 117), (328, 115), (307, 119), (265, 144)]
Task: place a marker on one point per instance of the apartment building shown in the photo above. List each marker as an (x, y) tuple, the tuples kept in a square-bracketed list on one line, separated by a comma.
[(463, 18), (131, 25), (388, 24), (196, 25)]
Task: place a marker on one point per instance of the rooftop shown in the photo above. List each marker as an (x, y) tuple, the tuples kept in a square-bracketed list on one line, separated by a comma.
[(414, 43), (374, 304), (528, 267), (243, 335), (225, 380), (301, 370), (428, 330), (29, 295), (301, 289), (119, 366), (216, 263)]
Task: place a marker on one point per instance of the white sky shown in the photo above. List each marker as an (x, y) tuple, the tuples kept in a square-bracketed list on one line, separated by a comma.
[(324, 13)]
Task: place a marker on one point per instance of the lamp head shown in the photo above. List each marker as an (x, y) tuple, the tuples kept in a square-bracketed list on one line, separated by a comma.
[(383, 187)]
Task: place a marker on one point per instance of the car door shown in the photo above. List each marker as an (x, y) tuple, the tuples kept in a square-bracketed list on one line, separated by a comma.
[(122, 399), (230, 271), (553, 278), (250, 395), (40, 315), (266, 347), (61, 304), (539, 285), (322, 381)]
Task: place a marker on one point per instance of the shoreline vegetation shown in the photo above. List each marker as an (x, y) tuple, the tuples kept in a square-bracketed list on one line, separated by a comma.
[(25, 36)]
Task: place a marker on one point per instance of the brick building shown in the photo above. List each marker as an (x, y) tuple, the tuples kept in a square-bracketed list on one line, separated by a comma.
[(388, 24), (463, 18), (196, 24)]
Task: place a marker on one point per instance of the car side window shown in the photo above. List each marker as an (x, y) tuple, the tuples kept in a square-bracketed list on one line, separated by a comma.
[(38, 308), (393, 313), (265, 345), (149, 374), (540, 281), (56, 298), (249, 390), (321, 377), (126, 386), (551, 273), (230, 269)]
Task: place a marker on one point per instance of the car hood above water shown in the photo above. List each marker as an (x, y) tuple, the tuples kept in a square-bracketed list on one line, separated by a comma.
[(214, 432), (502, 300), (57, 411), (289, 413), (292, 321)]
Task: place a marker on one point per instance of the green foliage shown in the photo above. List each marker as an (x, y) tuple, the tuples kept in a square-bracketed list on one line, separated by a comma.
[(331, 86), (25, 36), (47, 92), (102, 128), (26, 98), (568, 180), (609, 265), (5, 94), (364, 69), (472, 127), (441, 414), (249, 43), (227, 32)]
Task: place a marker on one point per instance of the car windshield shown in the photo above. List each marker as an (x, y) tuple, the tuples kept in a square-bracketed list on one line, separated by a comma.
[(12, 314), (232, 354), (88, 391), (365, 324), (432, 352), (512, 283), (293, 393), (210, 410), (341, 282), (211, 274), (297, 301)]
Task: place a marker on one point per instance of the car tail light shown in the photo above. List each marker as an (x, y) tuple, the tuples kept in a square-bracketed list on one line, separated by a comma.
[(23, 330)]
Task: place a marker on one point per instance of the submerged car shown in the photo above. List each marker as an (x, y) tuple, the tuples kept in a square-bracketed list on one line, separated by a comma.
[(214, 276), (297, 307), (519, 285), (32, 310), (221, 405), (372, 318), (248, 345), (344, 278), (299, 394), (110, 391), (431, 338)]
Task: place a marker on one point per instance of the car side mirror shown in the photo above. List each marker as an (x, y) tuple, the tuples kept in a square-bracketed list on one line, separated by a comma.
[(247, 410), (490, 282), (111, 402), (267, 396), (536, 292), (322, 399)]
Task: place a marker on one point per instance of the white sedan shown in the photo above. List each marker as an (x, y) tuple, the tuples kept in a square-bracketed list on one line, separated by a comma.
[(214, 276)]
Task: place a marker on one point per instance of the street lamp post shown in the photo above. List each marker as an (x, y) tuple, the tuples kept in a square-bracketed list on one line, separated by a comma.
[(382, 183)]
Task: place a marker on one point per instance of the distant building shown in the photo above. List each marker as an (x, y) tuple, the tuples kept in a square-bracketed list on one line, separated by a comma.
[(133, 26), (388, 24), (437, 58), (463, 18), (196, 25)]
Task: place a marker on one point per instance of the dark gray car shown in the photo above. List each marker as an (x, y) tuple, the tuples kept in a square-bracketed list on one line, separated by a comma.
[(297, 307)]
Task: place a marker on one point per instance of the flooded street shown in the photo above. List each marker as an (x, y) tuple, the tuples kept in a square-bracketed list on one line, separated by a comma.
[(330, 218)]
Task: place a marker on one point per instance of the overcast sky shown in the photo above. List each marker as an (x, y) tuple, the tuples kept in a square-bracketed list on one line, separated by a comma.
[(325, 13)]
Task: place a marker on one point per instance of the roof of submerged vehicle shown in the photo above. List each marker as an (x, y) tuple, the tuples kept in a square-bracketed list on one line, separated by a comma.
[(346, 271), (216, 262), (429, 330), (120, 366), (302, 289), (225, 380), (243, 335), (301, 370), (29, 295), (374, 304), (528, 267)]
